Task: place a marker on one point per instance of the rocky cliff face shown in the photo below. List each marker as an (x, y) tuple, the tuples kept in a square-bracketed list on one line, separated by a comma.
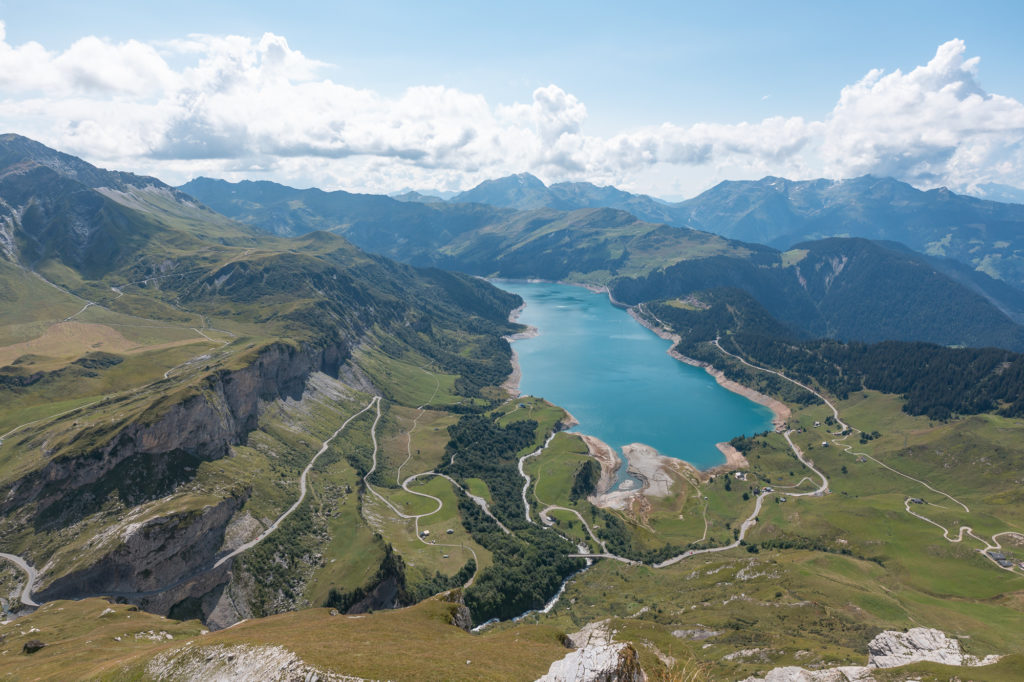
[(239, 662), (165, 559), (153, 557), (156, 452), (891, 649)]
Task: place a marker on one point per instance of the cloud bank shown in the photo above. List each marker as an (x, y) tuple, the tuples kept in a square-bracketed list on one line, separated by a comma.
[(239, 107)]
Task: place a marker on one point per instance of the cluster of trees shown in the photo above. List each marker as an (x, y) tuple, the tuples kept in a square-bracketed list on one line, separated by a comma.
[(392, 570), (529, 566), (484, 363), (935, 381), (619, 539), (586, 479), (276, 563), (831, 290), (529, 563), (730, 311), (812, 545), (484, 449), (438, 582)]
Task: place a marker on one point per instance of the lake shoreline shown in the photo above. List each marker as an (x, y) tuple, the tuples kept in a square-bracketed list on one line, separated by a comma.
[(511, 383), (780, 411), (652, 468), (643, 463), (656, 472)]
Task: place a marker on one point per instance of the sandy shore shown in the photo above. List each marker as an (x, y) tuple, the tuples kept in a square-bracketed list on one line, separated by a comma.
[(653, 469), (511, 384), (780, 411), (600, 290), (650, 466), (734, 459)]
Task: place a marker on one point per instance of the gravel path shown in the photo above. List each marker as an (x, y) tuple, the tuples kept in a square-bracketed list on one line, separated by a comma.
[(302, 482)]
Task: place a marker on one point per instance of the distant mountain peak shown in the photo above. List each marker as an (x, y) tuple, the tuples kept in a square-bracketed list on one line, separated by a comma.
[(16, 148), (528, 178), (522, 191), (526, 192)]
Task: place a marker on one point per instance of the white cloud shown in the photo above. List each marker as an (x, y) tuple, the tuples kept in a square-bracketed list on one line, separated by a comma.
[(931, 126), (245, 107)]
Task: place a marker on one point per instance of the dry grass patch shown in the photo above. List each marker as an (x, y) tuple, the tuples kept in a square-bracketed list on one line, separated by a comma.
[(413, 643), (68, 340)]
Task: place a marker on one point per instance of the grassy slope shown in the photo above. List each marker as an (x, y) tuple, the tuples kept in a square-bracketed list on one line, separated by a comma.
[(217, 276), (829, 604), (781, 602), (81, 645)]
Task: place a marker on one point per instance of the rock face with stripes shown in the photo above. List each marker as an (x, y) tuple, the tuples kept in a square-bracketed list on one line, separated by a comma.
[(597, 658)]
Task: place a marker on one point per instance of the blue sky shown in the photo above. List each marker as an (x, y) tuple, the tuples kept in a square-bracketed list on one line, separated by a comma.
[(633, 68)]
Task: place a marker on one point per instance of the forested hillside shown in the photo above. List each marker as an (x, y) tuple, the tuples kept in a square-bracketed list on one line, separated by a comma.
[(849, 289), (935, 381)]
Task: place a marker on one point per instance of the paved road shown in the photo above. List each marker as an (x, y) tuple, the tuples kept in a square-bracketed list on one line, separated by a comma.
[(839, 442), (547, 521), (30, 577), (751, 520), (26, 597)]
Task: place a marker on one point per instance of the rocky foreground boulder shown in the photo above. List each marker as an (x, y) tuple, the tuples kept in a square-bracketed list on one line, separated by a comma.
[(889, 649), (597, 658), (892, 649)]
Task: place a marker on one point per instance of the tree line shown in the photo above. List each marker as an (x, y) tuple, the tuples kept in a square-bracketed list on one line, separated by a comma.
[(934, 381)]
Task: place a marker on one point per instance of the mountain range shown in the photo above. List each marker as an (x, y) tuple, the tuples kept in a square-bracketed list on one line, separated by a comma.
[(162, 331), (233, 402), (983, 233), (872, 291)]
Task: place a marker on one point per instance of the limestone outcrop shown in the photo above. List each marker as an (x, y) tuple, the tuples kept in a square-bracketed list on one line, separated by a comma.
[(889, 649), (151, 557), (158, 559), (240, 662), (156, 451), (597, 658)]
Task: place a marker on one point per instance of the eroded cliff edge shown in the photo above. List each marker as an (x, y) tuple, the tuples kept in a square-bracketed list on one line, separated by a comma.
[(158, 559)]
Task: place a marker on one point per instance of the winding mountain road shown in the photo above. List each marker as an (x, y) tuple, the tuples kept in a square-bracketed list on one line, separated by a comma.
[(30, 577), (302, 482), (554, 507), (479, 501), (840, 442), (526, 476)]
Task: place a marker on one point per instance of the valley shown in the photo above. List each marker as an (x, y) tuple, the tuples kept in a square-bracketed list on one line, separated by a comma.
[(227, 451)]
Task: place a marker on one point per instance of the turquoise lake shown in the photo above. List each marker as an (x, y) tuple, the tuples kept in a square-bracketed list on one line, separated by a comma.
[(615, 376)]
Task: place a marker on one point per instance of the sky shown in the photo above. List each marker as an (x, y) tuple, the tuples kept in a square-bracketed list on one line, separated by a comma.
[(666, 99)]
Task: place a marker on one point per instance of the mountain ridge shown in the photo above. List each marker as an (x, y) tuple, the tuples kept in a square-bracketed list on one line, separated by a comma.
[(779, 212), (179, 345), (642, 261)]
